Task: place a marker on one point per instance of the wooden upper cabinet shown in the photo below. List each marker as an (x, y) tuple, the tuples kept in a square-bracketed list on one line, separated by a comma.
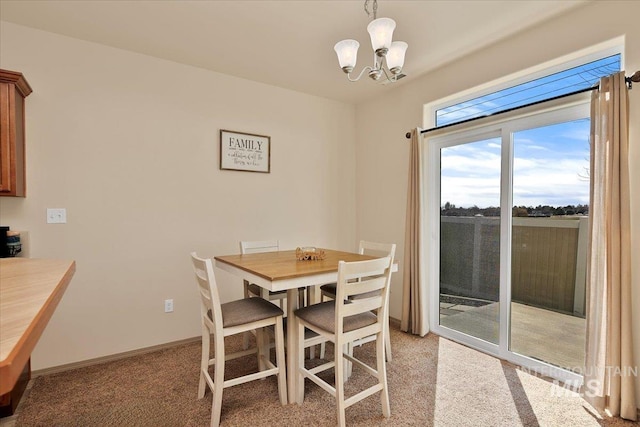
[(13, 89)]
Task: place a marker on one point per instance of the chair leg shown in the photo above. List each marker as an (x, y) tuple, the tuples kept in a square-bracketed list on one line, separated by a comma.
[(300, 364), (204, 361), (312, 352), (245, 338), (322, 345), (382, 375), (348, 366), (387, 341), (302, 302), (260, 344), (339, 383), (218, 382), (282, 370)]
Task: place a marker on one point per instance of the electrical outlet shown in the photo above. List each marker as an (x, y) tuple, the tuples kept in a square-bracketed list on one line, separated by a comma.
[(168, 305), (56, 216)]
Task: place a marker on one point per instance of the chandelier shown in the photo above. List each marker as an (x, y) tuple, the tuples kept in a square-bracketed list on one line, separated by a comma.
[(385, 51)]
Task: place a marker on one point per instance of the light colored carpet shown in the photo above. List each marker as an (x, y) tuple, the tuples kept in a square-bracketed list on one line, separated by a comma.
[(433, 382)]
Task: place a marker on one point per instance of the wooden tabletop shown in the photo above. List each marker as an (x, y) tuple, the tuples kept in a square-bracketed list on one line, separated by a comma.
[(281, 265), (30, 290)]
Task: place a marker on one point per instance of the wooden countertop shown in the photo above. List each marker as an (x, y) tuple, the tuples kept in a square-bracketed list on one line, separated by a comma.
[(30, 290)]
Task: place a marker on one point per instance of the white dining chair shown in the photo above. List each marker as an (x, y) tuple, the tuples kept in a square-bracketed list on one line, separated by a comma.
[(253, 290), (231, 318), (358, 311), (329, 290)]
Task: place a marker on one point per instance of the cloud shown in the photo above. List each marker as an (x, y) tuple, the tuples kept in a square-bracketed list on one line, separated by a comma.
[(475, 180), (550, 164), (537, 147), (578, 134)]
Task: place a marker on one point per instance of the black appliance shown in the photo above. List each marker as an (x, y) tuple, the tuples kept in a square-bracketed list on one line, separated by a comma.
[(10, 244)]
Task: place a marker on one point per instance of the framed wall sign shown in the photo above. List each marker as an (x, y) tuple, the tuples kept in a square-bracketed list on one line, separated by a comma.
[(241, 151)]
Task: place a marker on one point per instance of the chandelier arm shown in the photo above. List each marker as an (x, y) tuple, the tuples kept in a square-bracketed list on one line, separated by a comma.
[(367, 68), (376, 66), (390, 79)]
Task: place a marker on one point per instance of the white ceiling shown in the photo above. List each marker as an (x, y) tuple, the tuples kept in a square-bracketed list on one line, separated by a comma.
[(286, 43)]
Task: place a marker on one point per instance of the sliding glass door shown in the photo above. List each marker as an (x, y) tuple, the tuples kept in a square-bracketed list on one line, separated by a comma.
[(549, 242), (510, 205), (469, 298)]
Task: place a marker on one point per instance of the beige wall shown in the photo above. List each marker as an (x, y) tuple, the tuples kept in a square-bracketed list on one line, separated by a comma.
[(128, 144), (382, 151)]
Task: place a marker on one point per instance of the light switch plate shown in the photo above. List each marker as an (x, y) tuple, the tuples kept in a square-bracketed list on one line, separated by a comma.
[(56, 216)]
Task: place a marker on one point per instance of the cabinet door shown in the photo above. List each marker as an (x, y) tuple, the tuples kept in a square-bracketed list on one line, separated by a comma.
[(6, 151), (13, 89)]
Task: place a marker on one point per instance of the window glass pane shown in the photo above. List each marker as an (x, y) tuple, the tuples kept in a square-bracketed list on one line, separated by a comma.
[(573, 79), (549, 243), (470, 238)]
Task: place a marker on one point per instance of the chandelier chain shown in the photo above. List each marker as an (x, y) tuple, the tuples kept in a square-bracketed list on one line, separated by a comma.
[(375, 8)]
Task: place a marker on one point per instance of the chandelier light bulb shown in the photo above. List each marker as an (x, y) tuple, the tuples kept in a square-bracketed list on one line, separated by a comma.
[(381, 32), (395, 57), (347, 51)]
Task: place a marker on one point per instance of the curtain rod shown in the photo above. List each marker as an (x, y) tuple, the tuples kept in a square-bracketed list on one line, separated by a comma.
[(634, 78)]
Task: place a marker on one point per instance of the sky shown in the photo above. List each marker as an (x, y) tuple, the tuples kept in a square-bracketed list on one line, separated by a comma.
[(551, 163), (572, 79), (550, 167)]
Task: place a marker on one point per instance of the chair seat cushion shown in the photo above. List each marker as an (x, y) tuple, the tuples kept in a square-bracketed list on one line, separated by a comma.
[(332, 289), (248, 310), (329, 288), (323, 316)]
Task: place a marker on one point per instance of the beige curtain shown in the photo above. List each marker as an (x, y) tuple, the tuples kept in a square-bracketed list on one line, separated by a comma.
[(609, 371), (415, 317)]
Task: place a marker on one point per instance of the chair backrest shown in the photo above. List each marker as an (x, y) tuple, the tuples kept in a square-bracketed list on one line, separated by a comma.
[(380, 250), (253, 247), (363, 286), (377, 249), (209, 299)]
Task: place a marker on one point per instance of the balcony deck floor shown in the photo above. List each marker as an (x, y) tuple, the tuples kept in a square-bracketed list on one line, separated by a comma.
[(555, 338)]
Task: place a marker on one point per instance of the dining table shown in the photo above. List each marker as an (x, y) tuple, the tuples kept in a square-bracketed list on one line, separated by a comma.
[(280, 271)]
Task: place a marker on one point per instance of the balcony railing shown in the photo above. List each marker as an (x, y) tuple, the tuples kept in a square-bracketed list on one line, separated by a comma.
[(548, 263)]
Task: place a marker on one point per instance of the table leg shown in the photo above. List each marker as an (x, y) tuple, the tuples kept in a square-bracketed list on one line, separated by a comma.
[(313, 295), (292, 344)]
